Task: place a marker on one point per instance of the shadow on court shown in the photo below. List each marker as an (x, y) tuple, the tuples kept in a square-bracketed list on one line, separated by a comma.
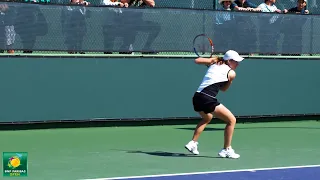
[(166, 154), (206, 129), (222, 129)]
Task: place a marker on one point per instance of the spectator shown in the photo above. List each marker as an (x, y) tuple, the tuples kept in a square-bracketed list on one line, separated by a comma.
[(226, 5), (73, 22), (146, 26), (292, 29), (246, 28), (225, 20), (269, 6), (301, 8), (7, 31), (245, 5), (30, 23), (114, 3), (269, 27), (123, 26), (116, 27)]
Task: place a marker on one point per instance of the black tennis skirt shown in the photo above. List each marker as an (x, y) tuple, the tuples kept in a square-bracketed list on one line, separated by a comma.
[(205, 103)]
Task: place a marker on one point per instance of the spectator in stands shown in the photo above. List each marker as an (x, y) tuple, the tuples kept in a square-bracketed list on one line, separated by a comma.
[(225, 21), (301, 8), (115, 25), (226, 5), (141, 3), (114, 3), (269, 6), (30, 23), (269, 27), (123, 26), (147, 26), (7, 31), (73, 21), (292, 29), (246, 28), (245, 5)]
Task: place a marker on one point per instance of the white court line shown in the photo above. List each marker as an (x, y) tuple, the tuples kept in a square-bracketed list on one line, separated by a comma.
[(206, 172)]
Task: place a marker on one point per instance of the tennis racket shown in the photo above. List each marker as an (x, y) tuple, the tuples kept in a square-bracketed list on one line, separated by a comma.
[(203, 46)]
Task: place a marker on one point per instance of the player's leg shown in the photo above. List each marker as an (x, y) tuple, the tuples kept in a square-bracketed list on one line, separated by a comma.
[(225, 114), (206, 119), (192, 146)]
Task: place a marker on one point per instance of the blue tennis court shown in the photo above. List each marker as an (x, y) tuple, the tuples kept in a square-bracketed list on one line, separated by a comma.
[(278, 173)]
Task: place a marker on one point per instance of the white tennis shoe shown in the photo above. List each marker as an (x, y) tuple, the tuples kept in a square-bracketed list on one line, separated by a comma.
[(228, 153), (192, 147)]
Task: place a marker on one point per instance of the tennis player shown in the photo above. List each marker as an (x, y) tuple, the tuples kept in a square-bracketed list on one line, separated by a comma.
[(219, 76)]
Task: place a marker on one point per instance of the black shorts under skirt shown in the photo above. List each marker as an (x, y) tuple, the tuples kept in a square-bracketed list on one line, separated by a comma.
[(205, 103)]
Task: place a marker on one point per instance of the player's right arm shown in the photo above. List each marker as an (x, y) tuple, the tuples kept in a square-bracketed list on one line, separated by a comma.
[(205, 61)]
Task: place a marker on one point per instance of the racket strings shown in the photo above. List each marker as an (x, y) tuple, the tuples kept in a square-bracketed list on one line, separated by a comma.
[(203, 46)]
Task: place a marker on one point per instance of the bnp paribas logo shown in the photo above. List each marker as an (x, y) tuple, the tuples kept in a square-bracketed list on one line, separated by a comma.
[(15, 164)]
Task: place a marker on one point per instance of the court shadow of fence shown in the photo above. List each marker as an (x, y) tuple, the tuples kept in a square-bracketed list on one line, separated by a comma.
[(240, 128), (166, 154)]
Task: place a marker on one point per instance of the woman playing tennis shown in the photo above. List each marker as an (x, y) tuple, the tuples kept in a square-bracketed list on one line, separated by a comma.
[(219, 76)]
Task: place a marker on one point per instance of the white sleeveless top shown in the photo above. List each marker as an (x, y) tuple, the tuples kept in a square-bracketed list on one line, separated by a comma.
[(215, 77)]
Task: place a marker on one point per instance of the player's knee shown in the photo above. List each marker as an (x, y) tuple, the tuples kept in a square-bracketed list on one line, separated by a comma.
[(232, 121), (206, 117), (207, 120)]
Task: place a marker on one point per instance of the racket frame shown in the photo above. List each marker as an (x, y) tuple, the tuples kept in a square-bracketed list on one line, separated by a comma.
[(210, 41)]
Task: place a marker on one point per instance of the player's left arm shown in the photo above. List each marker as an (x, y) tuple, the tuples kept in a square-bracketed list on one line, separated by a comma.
[(231, 77)]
